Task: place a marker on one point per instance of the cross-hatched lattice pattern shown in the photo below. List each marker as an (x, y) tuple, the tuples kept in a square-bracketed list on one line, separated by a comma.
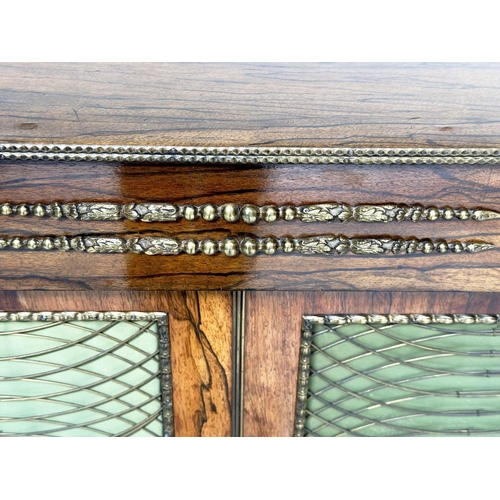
[(400, 380), (82, 378)]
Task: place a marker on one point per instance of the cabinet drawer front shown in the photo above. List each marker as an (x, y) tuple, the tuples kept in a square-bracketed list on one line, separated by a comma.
[(442, 208)]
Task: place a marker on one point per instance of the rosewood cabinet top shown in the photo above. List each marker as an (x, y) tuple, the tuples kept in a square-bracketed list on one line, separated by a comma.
[(309, 105)]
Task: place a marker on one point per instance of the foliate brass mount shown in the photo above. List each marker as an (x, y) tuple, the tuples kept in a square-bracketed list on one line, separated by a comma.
[(401, 319), (160, 317), (242, 155), (232, 212), (247, 245)]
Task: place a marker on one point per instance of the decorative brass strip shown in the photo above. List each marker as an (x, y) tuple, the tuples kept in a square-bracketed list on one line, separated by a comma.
[(303, 374), (238, 348), (232, 212), (84, 316), (248, 245), (402, 319), (183, 154), (242, 150), (334, 320)]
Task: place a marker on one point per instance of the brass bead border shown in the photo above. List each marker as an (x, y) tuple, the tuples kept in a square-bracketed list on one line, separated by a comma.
[(161, 319), (250, 214), (308, 323), (420, 319), (183, 154), (327, 244), (84, 316)]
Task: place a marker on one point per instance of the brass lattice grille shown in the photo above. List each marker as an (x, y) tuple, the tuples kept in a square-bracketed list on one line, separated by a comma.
[(421, 375), (85, 374)]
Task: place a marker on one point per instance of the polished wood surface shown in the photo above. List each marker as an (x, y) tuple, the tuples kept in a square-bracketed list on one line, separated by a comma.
[(440, 185), (275, 104), (200, 326), (201, 336), (272, 338)]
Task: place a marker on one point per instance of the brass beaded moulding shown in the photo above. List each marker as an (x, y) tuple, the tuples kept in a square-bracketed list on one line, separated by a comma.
[(244, 155), (248, 213), (246, 245), (231, 212)]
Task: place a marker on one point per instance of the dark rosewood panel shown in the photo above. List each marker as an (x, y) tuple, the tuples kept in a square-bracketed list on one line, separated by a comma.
[(322, 105), (272, 338), (201, 347)]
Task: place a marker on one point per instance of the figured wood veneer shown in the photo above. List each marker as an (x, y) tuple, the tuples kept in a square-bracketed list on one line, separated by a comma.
[(275, 104)]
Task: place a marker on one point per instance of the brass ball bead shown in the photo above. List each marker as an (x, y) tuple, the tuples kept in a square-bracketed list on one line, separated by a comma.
[(209, 212), (269, 246), (190, 212), (6, 209), (458, 247), (433, 214), (39, 210), (442, 247), (249, 246), (209, 247), (428, 247), (48, 244), (17, 243), (231, 212), (23, 210), (448, 213), (230, 247), (289, 213), (270, 214), (249, 214), (190, 247), (31, 244), (287, 245), (463, 214)]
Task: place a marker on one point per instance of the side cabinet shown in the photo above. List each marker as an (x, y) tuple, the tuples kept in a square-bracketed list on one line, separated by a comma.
[(249, 249)]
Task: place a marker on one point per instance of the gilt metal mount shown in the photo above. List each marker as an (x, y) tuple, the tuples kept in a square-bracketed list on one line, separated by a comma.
[(232, 212), (247, 245), (243, 155)]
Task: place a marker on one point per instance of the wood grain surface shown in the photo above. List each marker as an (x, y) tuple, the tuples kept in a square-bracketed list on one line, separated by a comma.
[(272, 338), (200, 326), (372, 105), (201, 333), (444, 185)]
